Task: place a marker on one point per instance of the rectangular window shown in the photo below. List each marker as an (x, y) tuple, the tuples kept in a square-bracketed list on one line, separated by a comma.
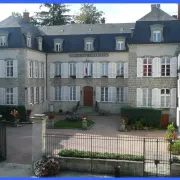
[(57, 47), (104, 94), (147, 67), (57, 69), (30, 69), (120, 69), (89, 46), (32, 95), (156, 36), (42, 70), (72, 93), (147, 97), (57, 93), (88, 69), (9, 68), (42, 94), (28, 41), (40, 45), (9, 96), (120, 95), (37, 94), (165, 67), (72, 68), (36, 69), (104, 69), (2, 40), (165, 98), (120, 45)]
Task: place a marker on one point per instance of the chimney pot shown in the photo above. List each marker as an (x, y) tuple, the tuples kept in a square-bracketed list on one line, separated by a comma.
[(26, 16), (155, 6)]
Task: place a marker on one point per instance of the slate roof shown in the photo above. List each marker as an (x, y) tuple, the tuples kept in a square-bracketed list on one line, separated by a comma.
[(142, 32)]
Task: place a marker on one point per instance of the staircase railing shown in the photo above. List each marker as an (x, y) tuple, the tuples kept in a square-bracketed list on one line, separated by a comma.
[(76, 107), (96, 107)]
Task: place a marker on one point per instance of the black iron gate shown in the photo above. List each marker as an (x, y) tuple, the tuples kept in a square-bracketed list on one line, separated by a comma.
[(3, 145), (157, 157)]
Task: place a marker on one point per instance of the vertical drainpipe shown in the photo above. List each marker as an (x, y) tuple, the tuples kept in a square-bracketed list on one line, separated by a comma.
[(46, 85)]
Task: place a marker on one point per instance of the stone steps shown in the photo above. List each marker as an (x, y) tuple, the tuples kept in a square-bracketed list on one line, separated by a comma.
[(87, 111)]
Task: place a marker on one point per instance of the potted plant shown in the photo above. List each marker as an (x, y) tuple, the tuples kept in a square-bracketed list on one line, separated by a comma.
[(51, 118), (171, 133), (123, 126), (15, 115), (28, 112)]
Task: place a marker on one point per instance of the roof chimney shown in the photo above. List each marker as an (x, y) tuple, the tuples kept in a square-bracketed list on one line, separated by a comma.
[(26, 16), (155, 6), (178, 11)]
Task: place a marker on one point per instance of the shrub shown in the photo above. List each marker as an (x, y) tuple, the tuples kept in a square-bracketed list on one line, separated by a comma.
[(5, 111), (149, 117), (99, 155), (171, 133), (175, 147)]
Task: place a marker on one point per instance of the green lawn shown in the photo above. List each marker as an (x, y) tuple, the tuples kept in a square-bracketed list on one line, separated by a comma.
[(69, 124)]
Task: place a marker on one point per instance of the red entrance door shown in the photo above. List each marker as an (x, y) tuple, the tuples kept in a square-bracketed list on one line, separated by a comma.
[(88, 96)]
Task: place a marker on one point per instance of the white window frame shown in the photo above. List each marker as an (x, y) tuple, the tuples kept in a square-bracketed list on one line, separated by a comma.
[(28, 41), (72, 94), (32, 95), (120, 95), (157, 34), (104, 69), (89, 67), (146, 97), (9, 96), (37, 95), (72, 69), (57, 69), (36, 69), (58, 46), (147, 66), (9, 67), (167, 97), (89, 46), (58, 93), (166, 63), (30, 69), (3, 41), (120, 69), (104, 94), (119, 45), (40, 45)]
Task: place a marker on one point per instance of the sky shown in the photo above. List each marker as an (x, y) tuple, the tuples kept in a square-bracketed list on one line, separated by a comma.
[(114, 13)]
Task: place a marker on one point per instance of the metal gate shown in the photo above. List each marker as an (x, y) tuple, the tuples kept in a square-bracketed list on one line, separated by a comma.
[(3, 145), (157, 157)]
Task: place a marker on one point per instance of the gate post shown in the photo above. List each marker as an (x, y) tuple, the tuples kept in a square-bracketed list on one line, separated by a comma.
[(38, 132)]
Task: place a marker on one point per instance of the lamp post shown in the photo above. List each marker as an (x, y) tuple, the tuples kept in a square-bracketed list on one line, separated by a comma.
[(84, 123)]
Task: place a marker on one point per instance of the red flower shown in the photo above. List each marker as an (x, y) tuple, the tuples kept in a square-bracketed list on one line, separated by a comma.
[(29, 112), (51, 116)]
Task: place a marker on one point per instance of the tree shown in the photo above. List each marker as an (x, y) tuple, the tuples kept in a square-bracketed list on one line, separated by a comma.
[(89, 14), (55, 15)]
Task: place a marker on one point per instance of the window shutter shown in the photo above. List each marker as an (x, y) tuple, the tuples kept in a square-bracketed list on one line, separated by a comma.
[(126, 70), (81, 70), (40, 92), (34, 70), (98, 94), (139, 67), (95, 70), (179, 62), (173, 66), (28, 69), (66, 93), (2, 68), (173, 98), (52, 70), (15, 96), (156, 98), (139, 97), (15, 68), (62, 93), (110, 70), (114, 70), (78, 93), (114, 93), (39, 69), (2, 96), (125, 94), (110, 94), (77, 70), (155, 67), (64, 70), (99, 70), (29, 95), (35, 95), (52, 93)]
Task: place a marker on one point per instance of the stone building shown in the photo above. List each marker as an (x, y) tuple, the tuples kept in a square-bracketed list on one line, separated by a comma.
[(112, 65)]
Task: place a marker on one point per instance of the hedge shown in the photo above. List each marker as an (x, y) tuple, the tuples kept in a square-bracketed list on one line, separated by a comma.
[(99, 155), (6, 110), (151, 116)]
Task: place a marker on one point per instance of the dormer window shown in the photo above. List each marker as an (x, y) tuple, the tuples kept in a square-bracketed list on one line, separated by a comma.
[(88, 44), (28, 41), (156, 33), (39, 40), (3, 41), (58, 45), (120, 43)]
